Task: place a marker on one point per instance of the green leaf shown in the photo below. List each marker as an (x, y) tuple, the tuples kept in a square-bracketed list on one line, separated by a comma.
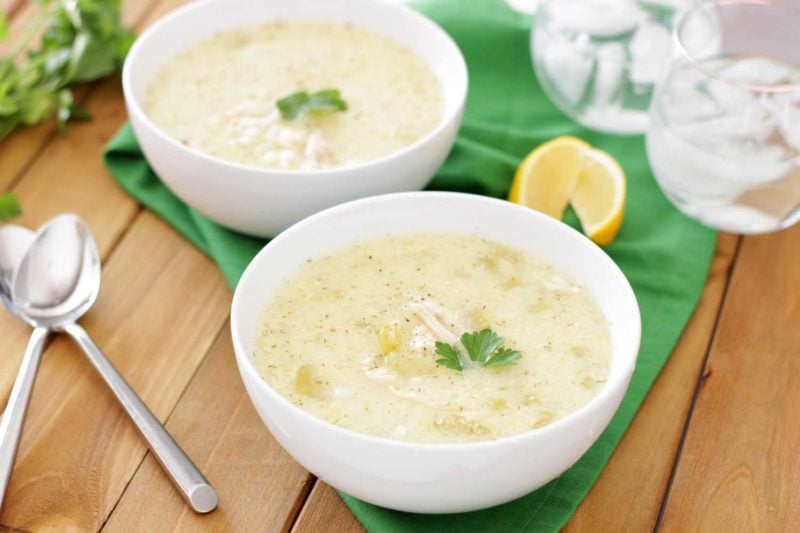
[(37, 106), (100, 17), (55, 65), (59, 32), (502, 357), (91, 59), (7, 125), (8, 107), (481, 345), (29, 75), (80, 113), (8, 70), (327, 100), (9, 206), (125, 41), (450, 357), (299, 104)]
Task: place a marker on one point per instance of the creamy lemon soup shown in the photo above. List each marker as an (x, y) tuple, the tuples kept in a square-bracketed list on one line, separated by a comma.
[(220, 95), (352, 338)]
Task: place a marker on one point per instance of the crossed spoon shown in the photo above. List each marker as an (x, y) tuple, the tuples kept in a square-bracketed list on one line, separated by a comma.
[(50, 279)]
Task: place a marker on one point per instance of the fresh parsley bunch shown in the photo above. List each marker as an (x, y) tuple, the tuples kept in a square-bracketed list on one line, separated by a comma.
[(82, 40)]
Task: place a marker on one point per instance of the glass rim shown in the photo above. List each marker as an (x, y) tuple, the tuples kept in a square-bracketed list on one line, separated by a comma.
[(705, 5)]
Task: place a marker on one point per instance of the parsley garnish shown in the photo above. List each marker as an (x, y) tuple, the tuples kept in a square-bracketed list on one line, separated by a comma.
[(301, 103), (484, 348), (81, 41), (9, 206)]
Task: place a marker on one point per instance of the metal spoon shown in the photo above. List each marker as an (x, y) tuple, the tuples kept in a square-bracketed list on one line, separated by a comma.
[(14, 242), (54, 285)]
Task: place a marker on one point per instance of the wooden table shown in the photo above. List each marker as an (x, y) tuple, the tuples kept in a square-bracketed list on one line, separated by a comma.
[(716, 445)]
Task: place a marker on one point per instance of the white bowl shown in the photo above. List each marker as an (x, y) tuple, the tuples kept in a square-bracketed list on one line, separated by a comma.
[(261, 201), (436, 478)]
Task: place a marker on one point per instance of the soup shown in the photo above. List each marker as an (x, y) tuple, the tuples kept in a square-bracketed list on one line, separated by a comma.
[(354, 338), (219, 96)]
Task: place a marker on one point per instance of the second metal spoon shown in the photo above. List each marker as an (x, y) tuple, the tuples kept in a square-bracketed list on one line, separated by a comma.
[(14, 242)]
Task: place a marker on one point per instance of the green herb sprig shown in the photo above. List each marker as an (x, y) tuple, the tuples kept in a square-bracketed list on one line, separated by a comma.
[(301, 103), (82, 40), (484, 348), (9, 206)]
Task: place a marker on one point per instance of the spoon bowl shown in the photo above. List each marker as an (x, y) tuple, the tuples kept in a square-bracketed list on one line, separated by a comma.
[(14, 242), (58, 279)]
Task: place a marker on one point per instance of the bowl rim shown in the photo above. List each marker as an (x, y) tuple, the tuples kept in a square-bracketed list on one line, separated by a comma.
[(246, 364), (447, 119)]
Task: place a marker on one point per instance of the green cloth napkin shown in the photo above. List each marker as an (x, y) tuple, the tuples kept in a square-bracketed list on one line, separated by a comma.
[(664, 254)]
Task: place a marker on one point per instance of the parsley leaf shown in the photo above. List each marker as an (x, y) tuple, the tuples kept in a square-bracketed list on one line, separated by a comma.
[(299, 104), (481, 345), (450, 357), (9, 206), (502, 357), (485, 348)]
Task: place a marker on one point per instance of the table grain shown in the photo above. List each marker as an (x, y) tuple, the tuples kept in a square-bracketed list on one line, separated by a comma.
[(714, 447)]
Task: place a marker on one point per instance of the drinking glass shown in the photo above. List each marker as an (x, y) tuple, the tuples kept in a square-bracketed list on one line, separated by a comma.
[(598, 60), (724, 134)]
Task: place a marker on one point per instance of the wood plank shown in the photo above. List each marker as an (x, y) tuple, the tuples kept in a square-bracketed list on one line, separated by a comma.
[(637, 474), (740, 466), (325, 511), (258, 483), (636, 477), (159, 312), (21, 148)]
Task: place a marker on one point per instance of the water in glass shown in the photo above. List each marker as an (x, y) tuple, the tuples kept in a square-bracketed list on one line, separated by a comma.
[(724, 133)]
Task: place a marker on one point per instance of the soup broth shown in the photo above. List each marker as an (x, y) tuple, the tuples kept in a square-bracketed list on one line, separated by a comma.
[(351, 338), (219, 96)]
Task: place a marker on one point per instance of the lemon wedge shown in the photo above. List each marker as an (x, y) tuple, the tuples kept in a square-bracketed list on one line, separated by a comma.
[(568, 171), (599, 196), (546, 178)]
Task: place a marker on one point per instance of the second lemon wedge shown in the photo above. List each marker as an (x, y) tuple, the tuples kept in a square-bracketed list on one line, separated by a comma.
[(599, 196)]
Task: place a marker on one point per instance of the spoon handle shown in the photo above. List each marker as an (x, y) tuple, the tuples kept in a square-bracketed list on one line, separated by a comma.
[(189, 481), (14, 415)]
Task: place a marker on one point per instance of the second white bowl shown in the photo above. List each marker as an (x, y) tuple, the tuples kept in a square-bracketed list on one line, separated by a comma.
[(261, 201)]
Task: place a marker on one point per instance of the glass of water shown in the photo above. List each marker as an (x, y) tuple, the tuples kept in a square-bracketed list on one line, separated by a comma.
[(599, 60), (724, 134)]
